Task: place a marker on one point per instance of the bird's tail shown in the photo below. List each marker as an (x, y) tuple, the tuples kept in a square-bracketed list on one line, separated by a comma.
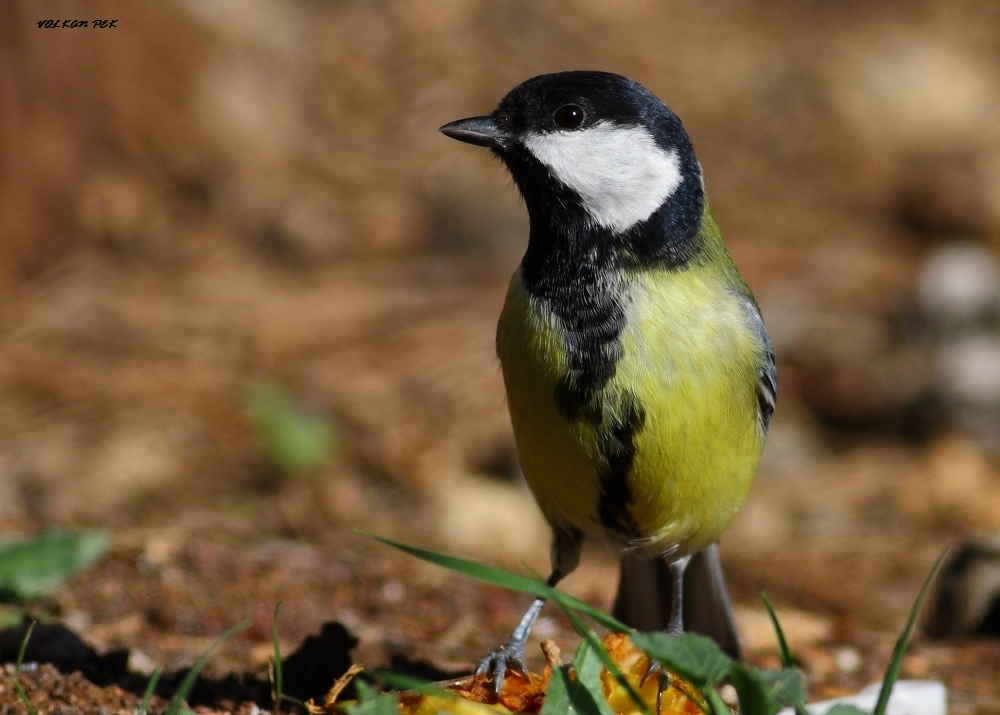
[(643, 599)]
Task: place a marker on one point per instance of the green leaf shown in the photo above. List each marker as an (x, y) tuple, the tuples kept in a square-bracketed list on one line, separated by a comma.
[(765, 692), (892, 672), (697, 659), (588, 666), (558, 697), (582, 695), (372, 703), (365, 692), (844, 709), (504, 579), (295, 440), (568, 696), (31, 568)]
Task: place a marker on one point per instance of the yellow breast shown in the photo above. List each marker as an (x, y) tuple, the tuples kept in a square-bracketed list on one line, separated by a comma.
[(689, 358)]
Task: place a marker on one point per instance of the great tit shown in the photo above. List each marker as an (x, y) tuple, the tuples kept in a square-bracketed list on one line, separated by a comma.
[(639, 377)]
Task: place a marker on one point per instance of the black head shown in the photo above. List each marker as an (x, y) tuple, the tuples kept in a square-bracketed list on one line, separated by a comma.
[(594, 152)]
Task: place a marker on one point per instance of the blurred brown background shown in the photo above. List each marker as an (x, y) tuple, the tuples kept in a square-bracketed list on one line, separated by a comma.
[(219, 200)]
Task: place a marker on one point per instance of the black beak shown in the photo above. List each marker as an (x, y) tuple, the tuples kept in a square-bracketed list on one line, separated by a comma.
[(481, 131)]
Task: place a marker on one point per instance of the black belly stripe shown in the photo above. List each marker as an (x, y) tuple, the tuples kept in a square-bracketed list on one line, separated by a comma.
[(593, 326), (617, 446)]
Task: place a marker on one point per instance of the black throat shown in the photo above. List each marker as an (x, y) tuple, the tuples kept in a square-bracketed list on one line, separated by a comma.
[(578, 269)]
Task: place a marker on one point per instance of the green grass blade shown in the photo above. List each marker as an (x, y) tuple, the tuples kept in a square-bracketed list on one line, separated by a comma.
[(892, 672), (504, 579), (24, 697), (716, 704), (24, 648), (277, 666), (787, 658), (177, 702), (154, 679), (401, 681), (17, 671)]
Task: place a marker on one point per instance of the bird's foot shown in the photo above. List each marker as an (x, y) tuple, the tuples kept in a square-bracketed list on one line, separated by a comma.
[(509, 655), (663, 681), (674, 628)]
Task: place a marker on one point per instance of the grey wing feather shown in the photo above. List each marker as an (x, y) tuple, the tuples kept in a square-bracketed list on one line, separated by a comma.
[(767, 372), (767, 389)]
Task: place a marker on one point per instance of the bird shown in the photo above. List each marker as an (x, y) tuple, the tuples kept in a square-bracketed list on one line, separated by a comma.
[(639, 376)]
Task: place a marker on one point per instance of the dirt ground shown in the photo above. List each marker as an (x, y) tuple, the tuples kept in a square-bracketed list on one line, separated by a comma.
[(213, 197)]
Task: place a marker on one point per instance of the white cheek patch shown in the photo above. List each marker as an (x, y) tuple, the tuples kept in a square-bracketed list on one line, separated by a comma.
[(621, 173)]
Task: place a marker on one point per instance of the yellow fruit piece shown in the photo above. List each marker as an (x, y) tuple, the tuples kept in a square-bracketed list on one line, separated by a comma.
[(634, 663), (434, 704)]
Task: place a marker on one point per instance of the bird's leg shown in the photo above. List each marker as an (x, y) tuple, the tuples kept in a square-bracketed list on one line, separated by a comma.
[(565, 556), (511, 653), (675, 626)]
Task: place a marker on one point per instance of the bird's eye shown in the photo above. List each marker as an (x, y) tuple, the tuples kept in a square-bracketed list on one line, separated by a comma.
[(569, 116)]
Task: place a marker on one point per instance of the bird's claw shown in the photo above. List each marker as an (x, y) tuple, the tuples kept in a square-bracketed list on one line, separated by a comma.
[(510, 655), (654, 665), (663, 681)]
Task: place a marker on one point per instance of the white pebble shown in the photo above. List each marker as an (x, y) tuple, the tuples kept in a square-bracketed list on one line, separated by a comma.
[(959, 283), (848, 660)]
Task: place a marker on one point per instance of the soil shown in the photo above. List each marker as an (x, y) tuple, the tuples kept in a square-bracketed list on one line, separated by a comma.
[(212, 199)]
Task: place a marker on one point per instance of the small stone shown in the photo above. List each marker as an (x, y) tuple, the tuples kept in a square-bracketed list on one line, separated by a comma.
[(848, 660), (729, 696), (139, 662), (393, 592), (958, 284)]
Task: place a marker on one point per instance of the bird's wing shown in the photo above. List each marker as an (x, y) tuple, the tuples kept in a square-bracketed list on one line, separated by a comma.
[(767, 371), (767, 389)]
